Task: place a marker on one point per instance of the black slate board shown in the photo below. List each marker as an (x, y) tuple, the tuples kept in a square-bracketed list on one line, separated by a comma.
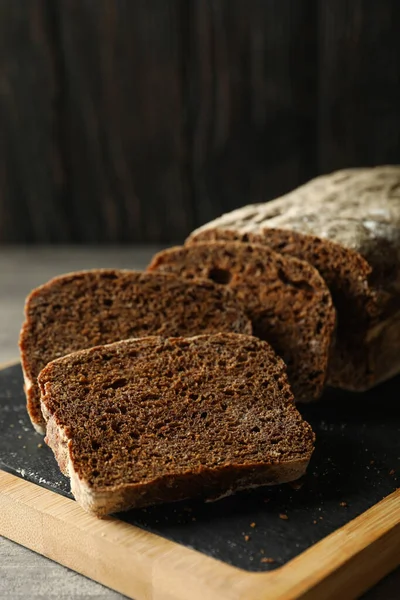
[(356, 461)]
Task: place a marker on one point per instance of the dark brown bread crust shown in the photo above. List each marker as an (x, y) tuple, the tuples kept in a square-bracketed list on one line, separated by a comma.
[(363, 353), (153, 420), (286, 299), (84, 309)]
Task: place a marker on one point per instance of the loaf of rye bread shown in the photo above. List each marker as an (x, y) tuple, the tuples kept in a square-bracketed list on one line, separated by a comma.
[(286, 299), (152, 420), (347, 225), (81, 310)]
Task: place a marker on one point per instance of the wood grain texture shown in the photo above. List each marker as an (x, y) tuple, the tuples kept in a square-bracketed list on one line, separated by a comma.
[(31, 168), (138, 121), (143, 565), (44, 579), (123, 119), (359, 83), (251, 96)]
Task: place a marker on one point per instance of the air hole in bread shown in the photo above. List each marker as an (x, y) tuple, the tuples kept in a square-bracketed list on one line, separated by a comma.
[(116, 426), (118, 383), (222, 276), (318, 327)]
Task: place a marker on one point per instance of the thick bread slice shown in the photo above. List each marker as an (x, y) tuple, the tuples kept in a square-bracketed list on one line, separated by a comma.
[(286, 299), (347, 225), (156, 420), (81, 310)]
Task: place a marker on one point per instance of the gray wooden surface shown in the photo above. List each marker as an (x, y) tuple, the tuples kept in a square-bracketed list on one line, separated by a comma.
[(24, 574)]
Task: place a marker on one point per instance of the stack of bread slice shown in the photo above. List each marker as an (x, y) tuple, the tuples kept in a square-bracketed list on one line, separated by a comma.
[(181, 382)]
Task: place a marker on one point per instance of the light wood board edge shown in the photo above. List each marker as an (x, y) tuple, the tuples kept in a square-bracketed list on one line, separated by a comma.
[(143, 565)]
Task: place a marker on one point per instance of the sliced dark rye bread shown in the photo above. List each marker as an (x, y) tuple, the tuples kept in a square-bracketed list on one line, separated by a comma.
[(347, 225), (286, 299), (153, 420), (81, 310)]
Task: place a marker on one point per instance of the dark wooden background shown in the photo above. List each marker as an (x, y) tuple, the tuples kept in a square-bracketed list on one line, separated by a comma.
[(137, 120)]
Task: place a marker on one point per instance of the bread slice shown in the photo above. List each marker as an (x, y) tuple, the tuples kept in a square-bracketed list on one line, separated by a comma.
[(154, 420), (286, 299), (347, 225), (81, 310)]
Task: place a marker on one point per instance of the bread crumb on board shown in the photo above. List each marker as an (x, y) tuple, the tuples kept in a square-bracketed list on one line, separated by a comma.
[(246, 538), (283, 517), (343, 504), (267, 559), (252, 525)]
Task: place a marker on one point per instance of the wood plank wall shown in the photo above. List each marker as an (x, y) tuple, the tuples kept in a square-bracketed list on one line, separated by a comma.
[(137, 120)]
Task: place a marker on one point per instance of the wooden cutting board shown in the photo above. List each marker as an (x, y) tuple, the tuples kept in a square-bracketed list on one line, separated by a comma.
[(334, 536)]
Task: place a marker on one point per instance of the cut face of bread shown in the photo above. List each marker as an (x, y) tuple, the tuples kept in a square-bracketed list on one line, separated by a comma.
[(286, 299), (347, 225), (153, 420), (81, 310)]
